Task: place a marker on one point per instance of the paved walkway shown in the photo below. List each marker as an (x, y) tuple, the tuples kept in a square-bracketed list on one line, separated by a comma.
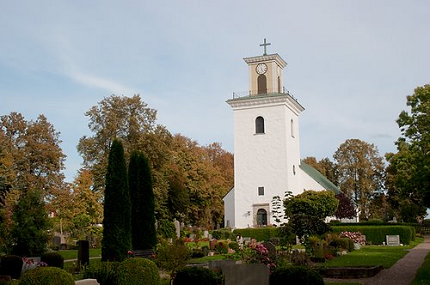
[(402, 272)]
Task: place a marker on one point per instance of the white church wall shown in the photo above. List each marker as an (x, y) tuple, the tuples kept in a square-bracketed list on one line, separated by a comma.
[(229, 220)]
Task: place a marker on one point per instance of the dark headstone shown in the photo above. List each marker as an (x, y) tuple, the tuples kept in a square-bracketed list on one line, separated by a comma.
[(57, 241), (83, 253)]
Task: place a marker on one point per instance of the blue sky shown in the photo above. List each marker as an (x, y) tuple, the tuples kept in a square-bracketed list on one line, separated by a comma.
[(351, 64)]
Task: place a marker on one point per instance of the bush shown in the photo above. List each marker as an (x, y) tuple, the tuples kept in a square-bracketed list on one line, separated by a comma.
[(343, 243), (104, 272), (223, 234), (377, 234), (172, 257), (234, 246), (11, 265), (295, 275), (166, 229), (137, 271), (196, 276), (221, 247), (47, 276), (53, 259)]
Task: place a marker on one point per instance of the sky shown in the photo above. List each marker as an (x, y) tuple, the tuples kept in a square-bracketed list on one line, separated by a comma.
[(351, 64)]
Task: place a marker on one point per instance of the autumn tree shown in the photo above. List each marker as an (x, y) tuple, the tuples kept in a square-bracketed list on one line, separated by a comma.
[(325, 166), (142, 202), (408, 173), (30, 160), (117, 207), (361, 172)]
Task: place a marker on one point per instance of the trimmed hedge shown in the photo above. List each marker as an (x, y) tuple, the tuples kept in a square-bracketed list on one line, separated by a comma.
[(377, 234), (137, 271), (47, 276), (260, 234)]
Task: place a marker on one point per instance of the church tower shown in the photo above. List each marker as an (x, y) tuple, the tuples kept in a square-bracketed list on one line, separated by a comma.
[(266, 144)]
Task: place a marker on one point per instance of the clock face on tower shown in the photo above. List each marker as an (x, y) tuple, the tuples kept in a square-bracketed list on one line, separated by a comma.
[(261, 68)]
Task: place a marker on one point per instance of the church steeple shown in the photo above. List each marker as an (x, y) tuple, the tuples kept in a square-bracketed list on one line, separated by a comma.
[(265, 74)]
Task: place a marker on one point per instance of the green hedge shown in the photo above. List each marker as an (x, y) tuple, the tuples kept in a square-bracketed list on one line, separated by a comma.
[(260, 234), (377, 234), (137, 271)]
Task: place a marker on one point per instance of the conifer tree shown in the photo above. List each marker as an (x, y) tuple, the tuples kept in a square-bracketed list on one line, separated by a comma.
[(117, 207), (142, 201)]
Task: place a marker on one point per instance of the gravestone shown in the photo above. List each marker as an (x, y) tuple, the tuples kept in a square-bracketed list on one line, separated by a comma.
[(83, 253), (393, 240), (270, 247), (177, 228), (246, 274), (212, 244), (57, 241), (206, 234)]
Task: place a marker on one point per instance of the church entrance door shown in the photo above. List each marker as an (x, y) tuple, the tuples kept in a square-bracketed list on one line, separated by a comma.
[(261, 217)]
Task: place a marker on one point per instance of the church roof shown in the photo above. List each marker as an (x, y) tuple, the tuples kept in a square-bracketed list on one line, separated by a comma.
[(318, 177)]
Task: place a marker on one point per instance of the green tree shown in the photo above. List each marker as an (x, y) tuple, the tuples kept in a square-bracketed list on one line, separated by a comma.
[(306, 212), (31, 224), (361, 173), (409, 169), (117, 207), (142, 202)]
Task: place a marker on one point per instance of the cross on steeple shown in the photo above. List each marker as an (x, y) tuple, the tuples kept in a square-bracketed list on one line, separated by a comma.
[(265, 45)]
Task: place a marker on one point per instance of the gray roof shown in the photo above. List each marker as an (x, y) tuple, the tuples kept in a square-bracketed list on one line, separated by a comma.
[(318, 177)]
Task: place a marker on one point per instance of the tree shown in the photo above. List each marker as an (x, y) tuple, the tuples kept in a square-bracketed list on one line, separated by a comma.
[(306, 212), (345, 210), (410, 167), (142, 202), (31, 224), (117, 207), (361, 172), (320, 204), (324, 166)]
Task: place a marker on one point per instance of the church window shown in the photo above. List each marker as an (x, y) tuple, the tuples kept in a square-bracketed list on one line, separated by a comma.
[(260, 191), (262, 84), (261, 217), (292, 128), (259, 125)]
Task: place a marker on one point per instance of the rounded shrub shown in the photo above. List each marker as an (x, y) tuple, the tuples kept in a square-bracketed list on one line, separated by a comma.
[(295, 275), (196, 276), (47, 276), (221, 247), (53, 259), (137, 271), (11, 265), (234, 246)]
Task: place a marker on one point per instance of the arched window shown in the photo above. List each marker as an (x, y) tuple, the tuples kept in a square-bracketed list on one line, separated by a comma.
[(262, 84), (259, 125), (261, 217), (292, 128)]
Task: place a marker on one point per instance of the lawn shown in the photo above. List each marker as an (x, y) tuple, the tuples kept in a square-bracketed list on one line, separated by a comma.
[(423, 274), (372, 255), (73, 254)]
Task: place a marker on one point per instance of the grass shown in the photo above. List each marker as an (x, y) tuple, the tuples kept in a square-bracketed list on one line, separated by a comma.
[(206, 259), (373, 255), (73, 254), (423, 274)]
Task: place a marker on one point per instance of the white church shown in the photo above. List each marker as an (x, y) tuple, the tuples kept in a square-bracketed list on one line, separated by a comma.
[(266, 147)]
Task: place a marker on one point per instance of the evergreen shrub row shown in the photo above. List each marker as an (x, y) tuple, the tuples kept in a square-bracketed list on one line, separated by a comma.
[(197, 275), (53, 259), (260, 234), (377, 234)]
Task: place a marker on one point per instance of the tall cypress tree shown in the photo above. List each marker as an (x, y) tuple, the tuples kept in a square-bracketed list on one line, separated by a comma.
[(142, 200), (117, 207)]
